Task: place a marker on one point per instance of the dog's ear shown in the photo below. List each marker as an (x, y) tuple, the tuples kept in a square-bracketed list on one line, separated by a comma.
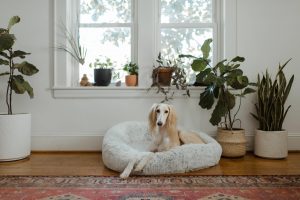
[(172, 118), (152, 117)]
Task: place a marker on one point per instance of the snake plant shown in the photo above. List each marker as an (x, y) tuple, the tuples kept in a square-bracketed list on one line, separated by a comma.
[(272, 96)]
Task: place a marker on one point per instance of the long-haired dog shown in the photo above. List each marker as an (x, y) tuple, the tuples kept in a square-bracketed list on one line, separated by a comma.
[(163, 127)]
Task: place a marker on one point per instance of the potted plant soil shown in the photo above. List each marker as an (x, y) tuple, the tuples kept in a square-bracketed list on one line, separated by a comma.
[(15, 129), (271, 139), (132, 78), (227, 85), (102, 71)]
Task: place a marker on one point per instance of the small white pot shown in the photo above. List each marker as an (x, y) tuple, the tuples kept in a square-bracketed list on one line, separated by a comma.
[(271, 144), (15, 136)]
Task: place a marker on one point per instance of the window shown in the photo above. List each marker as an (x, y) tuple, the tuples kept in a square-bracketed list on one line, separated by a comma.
[(105, 30), (184, 26), (137, 30)]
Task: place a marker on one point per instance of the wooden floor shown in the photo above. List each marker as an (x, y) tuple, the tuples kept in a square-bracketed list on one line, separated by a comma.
[(90, 164)]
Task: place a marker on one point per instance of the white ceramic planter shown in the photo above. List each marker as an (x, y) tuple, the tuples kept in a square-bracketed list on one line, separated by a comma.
[(15, 136), (271, 144)]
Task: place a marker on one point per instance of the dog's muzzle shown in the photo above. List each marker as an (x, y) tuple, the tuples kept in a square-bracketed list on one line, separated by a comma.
[(159, 123)]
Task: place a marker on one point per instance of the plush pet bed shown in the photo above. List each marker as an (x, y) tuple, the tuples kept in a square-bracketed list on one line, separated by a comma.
[(125, 147)]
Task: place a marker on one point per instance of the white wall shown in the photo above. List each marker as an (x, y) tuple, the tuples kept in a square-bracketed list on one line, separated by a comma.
[(267, 33)]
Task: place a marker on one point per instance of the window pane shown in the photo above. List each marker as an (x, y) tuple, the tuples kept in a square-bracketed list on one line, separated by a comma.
[(186, 11), (184, 41), (114, 43), (105, 11)]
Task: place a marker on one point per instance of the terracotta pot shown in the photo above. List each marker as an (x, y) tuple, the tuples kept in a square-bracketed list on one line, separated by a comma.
[(163, 75), (271, 144), (131, 80), (233, 142), (15, 136)]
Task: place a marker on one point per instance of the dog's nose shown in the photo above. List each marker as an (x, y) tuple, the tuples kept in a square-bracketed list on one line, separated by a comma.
[(159, 123)]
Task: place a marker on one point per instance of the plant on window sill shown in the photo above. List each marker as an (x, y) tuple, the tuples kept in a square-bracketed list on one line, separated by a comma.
[(132, 78), (175, 76), (73, 46)]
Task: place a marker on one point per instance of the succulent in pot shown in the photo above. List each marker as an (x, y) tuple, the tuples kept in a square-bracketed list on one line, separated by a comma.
[(102, 71), (270, 139), (226, 85), (15, 131), (132, 78)]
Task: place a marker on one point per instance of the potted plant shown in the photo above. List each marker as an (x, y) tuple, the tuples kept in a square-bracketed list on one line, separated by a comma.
[(15, 131), (226, 84), (178, 80), (73, 47), (102, 71), (162, 74), (270, 138), (132, 78)]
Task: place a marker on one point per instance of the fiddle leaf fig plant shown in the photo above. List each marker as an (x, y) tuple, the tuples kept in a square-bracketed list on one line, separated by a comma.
[(225, 83), (10, 58)]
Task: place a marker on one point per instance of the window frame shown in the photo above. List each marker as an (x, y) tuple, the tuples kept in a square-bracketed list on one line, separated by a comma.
[(145, 50)]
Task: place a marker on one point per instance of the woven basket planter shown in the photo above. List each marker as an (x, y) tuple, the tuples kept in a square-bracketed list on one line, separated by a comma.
[(233, 142)]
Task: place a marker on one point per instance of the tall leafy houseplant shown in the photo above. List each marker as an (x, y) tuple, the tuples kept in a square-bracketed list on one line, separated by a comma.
[(226, 85), (8, 58), (15, 131), (270, 138)]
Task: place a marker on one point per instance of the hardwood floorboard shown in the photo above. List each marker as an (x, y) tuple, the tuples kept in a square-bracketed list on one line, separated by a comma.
[(90, 164)]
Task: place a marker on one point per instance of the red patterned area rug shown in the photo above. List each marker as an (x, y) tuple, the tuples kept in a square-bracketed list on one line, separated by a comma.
[(151, 188)]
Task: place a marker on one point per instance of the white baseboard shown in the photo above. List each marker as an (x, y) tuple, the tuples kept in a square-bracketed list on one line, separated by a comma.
[(94, 142)]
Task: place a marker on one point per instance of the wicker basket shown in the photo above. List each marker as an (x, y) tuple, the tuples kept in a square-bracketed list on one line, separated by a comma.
[(233, 142)]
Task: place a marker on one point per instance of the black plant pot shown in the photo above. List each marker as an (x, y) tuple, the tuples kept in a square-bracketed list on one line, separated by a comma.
[(102, 77)]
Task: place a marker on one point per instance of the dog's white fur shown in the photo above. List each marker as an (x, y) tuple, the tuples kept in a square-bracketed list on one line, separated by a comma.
[(163, 127)]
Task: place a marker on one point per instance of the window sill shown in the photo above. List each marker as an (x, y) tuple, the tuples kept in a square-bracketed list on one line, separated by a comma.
[(117, 92)]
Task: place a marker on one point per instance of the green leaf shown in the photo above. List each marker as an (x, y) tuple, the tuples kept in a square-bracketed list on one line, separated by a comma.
[(4, 62), (14, 20), (206, 48), (248, 91), (6, 41), (239, 82), (199, 64), (207, 97), (219, 112), (221, 66), (202, 75), (3, 54), (20, 86), (26, 68), (20, 54), (2, 30), (238, 59), (5, 73), (229, 100)]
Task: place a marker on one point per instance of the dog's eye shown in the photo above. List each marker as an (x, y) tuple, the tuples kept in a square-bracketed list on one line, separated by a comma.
[(158, 111), (166, 111)]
